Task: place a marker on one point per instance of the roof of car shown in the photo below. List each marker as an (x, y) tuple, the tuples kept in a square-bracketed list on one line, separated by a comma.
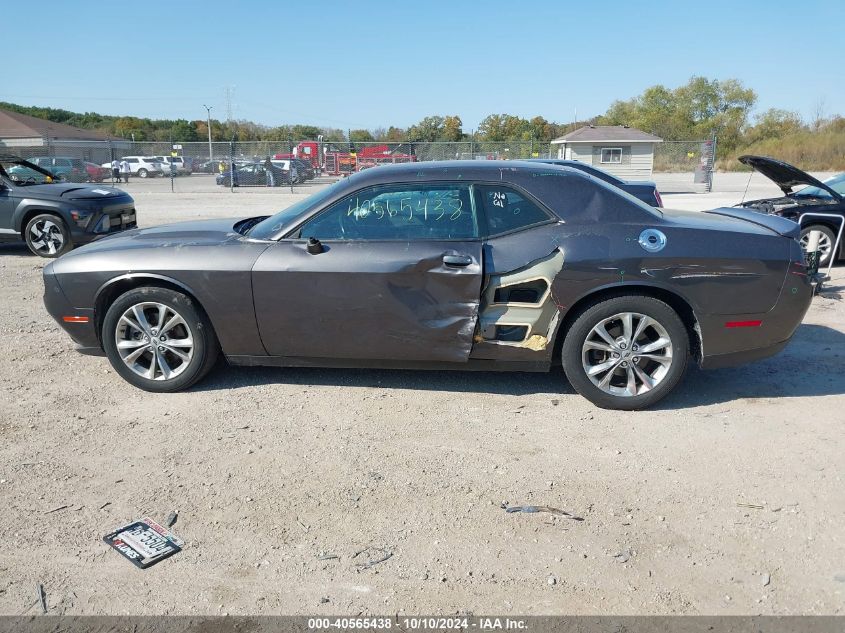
[(456, 169)]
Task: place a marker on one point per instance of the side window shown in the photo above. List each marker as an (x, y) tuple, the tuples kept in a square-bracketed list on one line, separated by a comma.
[(131, 160), (399, 212), (62, 162), (508, 210)]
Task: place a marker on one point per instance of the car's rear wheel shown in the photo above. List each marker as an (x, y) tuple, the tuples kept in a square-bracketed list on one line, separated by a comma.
[(47, 235), (826, 241), (158, 339), (626, 352), (142, 173)]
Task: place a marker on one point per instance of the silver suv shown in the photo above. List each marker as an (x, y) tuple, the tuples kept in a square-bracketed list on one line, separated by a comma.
[(141, 166), (179, 163)]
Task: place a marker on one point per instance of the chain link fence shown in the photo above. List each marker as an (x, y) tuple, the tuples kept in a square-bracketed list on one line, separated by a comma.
[(684, 166), (678, 165)]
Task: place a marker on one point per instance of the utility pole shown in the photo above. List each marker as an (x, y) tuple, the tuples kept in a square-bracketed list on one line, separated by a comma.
[(229, 91), (172, 166), (210, 151)]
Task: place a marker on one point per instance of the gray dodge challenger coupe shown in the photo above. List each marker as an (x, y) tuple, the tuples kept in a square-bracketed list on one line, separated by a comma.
[(460, 265)]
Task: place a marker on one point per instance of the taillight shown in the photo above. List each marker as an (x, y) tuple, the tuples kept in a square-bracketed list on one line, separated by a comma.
[(755, 323), (658, 198), (798, 268)]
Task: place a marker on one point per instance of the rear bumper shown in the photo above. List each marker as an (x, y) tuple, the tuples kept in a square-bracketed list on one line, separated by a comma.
[(734, 339), (733, 359)]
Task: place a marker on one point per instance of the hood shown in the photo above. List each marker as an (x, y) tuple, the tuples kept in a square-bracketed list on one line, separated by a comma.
[(72, 191), (784, 175), (183, 234)]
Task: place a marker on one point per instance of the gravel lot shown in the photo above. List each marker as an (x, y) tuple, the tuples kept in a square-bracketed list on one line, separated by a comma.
[(726, 499)]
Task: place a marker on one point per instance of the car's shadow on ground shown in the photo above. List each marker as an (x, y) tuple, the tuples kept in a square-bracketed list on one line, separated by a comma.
[(17, 249), (810, 366), (503, 383), (813, 364)]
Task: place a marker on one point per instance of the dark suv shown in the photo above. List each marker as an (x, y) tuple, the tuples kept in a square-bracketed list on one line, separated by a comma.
[(52, 217), (62, 168)]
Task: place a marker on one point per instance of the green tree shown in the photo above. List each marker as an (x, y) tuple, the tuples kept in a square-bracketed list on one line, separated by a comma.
[(429, 129), (698, 109), (305, 132), (184, 131), (360, 136), (504, 127), (396, 134), (774, 123), (452, 129), (333, 135)]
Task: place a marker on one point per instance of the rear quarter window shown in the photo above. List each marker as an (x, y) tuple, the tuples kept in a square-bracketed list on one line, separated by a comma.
[(508, 210)]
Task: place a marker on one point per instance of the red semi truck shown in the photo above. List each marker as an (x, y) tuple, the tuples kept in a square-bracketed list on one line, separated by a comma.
[(327, 157)]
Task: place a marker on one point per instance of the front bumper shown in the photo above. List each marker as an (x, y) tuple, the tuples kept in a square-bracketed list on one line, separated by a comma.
[(104, 222), (79, 323)]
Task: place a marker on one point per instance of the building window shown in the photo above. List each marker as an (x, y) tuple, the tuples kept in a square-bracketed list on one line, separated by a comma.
[(611, 155)]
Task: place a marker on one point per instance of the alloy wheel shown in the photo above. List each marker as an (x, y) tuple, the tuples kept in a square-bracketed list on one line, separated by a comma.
[(627, 354), (46, 237), (154, 341)]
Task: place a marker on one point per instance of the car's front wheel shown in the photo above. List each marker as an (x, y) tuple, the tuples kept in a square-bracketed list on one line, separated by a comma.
[(626, 352), (826, 241), (47, 235), (143, 173), (158, 339)]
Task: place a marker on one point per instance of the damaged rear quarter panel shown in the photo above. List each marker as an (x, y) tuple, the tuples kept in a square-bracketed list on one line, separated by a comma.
[(706, 273)]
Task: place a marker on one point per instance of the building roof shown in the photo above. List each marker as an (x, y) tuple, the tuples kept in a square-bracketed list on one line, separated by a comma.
[(15, 125), (608, 134)]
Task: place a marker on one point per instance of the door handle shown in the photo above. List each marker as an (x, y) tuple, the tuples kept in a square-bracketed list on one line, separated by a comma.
[(457, 260)]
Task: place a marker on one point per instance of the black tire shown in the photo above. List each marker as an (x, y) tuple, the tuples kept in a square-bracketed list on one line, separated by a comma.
[(573, 352), (827, 234), (46, 232), (142, 173), (205, 345)]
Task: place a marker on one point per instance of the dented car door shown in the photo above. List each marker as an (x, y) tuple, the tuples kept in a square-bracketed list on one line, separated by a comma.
[(391, 273)]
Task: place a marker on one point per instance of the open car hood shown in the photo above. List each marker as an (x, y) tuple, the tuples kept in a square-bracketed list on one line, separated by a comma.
[(784, 175)]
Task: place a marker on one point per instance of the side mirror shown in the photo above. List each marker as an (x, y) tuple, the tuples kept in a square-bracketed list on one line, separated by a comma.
[(314, 246)]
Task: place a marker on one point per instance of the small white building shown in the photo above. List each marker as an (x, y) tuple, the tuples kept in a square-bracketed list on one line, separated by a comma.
[(623, 151)]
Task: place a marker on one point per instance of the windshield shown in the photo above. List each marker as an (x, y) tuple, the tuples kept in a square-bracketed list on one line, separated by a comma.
[(837, 183), (271, 226), (24, 173)]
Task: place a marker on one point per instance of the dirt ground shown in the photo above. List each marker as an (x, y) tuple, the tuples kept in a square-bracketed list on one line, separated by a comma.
[(725, 499)]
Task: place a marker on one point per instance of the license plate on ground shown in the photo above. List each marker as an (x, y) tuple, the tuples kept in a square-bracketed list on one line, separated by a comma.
[(144, 542)]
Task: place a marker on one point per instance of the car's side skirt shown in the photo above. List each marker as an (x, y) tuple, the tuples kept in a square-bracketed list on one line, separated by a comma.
[(347, 363)]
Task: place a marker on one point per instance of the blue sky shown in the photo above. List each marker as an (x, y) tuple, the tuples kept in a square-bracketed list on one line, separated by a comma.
[(367, 64)]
